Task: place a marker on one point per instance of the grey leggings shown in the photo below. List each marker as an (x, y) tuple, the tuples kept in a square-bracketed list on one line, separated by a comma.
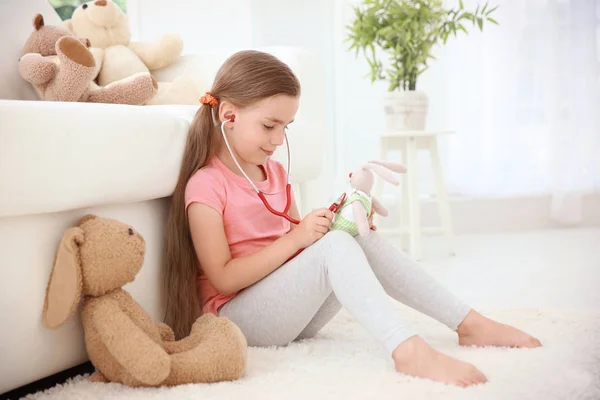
[(302, 296)]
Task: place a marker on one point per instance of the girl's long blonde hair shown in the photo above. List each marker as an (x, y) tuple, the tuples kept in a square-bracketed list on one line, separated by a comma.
[(246, 77)]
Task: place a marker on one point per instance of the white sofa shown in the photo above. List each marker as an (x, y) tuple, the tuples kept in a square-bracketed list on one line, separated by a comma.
[(59, 161)]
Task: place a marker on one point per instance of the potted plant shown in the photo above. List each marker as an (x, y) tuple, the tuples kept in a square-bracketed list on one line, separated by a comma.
[(407, 31)]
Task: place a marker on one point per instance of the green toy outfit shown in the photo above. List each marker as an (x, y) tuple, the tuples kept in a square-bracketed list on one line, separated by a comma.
[(344, 219)]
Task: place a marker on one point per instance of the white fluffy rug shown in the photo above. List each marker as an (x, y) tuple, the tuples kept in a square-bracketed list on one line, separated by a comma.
[(344, 362)]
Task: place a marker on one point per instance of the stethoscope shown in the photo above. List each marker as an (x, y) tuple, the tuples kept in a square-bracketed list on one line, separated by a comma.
[(260, 193), (288, 187)]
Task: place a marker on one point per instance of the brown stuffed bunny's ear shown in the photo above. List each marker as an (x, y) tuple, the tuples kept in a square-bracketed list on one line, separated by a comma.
[(38, 21), (65, 285)]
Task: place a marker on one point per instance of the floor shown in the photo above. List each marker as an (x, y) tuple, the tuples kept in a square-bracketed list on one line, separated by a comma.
[(344, 362), (550, 270), (521, 269)]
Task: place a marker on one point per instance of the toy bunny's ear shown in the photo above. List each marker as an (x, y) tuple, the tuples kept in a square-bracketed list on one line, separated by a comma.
[(38, 21), (383, 172), (65, 284), (392, 166)]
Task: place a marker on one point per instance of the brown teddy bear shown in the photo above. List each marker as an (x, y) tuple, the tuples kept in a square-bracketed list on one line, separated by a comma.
[(60, 67), (106, 26), (95, 259)]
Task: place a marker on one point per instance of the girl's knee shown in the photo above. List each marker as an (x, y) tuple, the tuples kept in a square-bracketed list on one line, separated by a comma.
[(336, 238), (340, 241)]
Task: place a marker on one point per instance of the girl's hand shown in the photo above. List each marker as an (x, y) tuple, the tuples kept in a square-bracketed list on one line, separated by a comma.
[(313, 227)]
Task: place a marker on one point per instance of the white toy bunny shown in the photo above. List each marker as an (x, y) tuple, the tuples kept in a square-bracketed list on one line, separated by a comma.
[(353, 215)]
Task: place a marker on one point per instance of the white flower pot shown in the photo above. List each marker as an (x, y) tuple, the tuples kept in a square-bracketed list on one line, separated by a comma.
[(406, 110)]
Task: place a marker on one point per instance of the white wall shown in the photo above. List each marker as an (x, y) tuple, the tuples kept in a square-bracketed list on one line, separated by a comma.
[(204, 25)]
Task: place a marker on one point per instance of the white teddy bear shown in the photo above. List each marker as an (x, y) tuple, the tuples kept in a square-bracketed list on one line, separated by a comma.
[(106, 26)]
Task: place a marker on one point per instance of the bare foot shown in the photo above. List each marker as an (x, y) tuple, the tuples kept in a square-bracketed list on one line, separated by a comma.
[(415, 357), (477, 330)]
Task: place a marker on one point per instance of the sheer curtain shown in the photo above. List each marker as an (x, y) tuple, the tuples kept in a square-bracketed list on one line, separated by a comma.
[(524, 98)]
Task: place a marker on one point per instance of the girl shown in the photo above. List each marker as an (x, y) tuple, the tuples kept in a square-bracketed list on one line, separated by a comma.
[(218, 222)]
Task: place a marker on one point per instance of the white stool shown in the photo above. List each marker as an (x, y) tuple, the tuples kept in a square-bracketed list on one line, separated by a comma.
[(409, 143)]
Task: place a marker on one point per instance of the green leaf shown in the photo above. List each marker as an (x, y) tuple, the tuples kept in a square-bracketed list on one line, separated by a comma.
[(480, 23), (462, 6), (492, 10), (64, 12), (65, 3), (122, 4), (493, 21)]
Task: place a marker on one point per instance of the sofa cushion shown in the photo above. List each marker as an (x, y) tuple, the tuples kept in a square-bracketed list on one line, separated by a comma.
[(57, 156)]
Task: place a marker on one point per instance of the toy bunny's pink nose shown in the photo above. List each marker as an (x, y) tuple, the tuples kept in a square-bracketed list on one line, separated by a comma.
[(101, 3), (350, 174)]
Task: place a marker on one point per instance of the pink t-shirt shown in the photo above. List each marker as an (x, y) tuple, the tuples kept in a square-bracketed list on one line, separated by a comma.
[(249, 226)]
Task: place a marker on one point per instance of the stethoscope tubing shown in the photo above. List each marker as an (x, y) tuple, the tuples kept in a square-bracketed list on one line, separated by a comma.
[(260, 193)]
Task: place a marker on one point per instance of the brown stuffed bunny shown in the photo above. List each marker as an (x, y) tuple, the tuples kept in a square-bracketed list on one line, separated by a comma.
[(95, 260), (60, 67)]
